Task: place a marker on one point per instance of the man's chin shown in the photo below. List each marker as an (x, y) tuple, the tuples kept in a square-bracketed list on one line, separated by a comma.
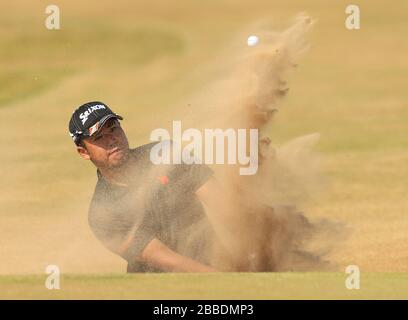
[(118, 159)]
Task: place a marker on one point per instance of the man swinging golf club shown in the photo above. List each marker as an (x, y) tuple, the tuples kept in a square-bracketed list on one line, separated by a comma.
[(142, 212)]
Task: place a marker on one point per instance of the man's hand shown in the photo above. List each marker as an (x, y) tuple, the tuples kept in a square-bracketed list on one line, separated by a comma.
[(159, 255)]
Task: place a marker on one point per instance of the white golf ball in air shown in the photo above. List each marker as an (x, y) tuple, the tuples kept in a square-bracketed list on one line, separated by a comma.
[(252, 41)]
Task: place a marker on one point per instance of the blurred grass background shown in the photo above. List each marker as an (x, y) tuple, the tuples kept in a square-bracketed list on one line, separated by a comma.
[(142, 58), (232, 286)]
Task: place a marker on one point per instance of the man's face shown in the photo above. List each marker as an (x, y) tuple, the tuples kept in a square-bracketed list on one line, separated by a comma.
[(108, 148)]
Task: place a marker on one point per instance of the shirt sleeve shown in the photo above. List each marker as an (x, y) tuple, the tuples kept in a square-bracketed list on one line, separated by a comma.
[(191, 176), (137, 239), (125, 238)]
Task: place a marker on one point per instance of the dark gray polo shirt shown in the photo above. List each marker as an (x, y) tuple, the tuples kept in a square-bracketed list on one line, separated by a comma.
[(160, 202)]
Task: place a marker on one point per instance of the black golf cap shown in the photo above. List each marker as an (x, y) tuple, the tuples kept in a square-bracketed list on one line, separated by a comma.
[(88, 119)]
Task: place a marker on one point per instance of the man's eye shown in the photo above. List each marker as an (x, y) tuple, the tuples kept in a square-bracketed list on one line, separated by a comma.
[(98, 138)]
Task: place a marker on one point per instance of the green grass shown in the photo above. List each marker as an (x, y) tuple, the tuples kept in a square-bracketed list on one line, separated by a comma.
[(18, 85), (36, 59), (204, 286)]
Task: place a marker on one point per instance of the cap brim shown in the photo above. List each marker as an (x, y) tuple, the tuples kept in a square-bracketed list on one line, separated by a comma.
[(103, 121)]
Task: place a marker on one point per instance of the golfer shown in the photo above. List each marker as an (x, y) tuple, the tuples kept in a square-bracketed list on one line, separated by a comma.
[(148, 214)]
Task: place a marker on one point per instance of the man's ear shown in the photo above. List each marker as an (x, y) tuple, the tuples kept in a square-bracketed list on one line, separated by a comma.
[(83, 153)]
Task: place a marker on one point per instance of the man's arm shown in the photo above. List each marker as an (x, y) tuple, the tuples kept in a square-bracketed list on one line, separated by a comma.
[(158, 254), (222, 210), (221, 206)]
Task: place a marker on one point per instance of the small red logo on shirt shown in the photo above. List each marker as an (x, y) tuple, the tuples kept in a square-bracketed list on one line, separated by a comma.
[(163, 179)]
